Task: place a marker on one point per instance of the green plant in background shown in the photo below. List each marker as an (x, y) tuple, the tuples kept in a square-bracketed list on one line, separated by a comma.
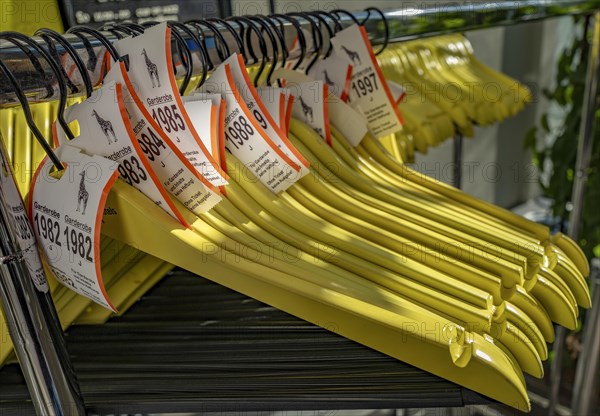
[(556, 180)]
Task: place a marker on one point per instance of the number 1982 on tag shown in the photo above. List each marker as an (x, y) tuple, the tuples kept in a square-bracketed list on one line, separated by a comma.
[(74, 240)]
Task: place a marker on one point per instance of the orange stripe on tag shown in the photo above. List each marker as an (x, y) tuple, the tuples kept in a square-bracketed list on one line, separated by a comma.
[(326, 115), (221, 140), (399, 100), (214, 144), (257, 127), (99, 216), (161, 133), (288, 116), (268, 116), (184, 113), (386, 88), (346, 91), (105, 66), (144, 160)]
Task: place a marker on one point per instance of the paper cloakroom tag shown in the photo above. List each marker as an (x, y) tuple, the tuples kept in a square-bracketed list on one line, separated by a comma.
[(369, 92), (246, 139), (336, 73), (398, 91), (275, 102), (311, 105), (217, 127), (249, 95), (13, 204), (67, 216), (204, 113), (289, 107), (351, 123), (283, 108), (175, 172), (150, 71), (105, 130)]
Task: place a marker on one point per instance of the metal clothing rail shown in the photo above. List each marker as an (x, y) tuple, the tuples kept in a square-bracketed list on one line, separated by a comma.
[(404, 23)]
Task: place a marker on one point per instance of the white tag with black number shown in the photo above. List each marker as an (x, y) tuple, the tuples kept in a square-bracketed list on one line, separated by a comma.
[(105, 130), (175, 172), (369, 92), (13, 203), (150, 71), (248, 94), (67, 215), (245, 138)]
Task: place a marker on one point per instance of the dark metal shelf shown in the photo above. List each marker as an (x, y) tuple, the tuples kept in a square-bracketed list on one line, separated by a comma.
[(191, 345)]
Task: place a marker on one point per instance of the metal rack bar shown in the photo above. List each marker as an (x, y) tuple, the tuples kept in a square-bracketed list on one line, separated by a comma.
[(586, 376), (404, 23), (457, 159), (412, 22)]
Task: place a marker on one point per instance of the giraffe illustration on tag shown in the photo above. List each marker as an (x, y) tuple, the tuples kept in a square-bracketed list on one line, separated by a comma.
[(82, 195), (152, 69), (352, 55), (106, 126), (328, 80), (306, 110)]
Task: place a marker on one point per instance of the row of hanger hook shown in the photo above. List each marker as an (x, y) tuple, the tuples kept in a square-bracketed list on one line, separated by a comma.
[(266, 30)]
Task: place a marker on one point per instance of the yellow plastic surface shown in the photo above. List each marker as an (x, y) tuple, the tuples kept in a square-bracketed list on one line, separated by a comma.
[(374, 316), (137, 276)]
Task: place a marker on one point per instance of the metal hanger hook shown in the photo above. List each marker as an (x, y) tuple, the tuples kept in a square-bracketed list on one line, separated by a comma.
[(386, 38), (21, 41)]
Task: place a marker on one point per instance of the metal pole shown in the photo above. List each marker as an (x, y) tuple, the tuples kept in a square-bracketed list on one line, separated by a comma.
[(556, 369), (406, 22), (584, 152), (457, 156), (586, 376), (32, 321)]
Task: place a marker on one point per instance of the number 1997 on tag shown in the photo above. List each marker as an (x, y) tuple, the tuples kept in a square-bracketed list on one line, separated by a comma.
[(365, 85)]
